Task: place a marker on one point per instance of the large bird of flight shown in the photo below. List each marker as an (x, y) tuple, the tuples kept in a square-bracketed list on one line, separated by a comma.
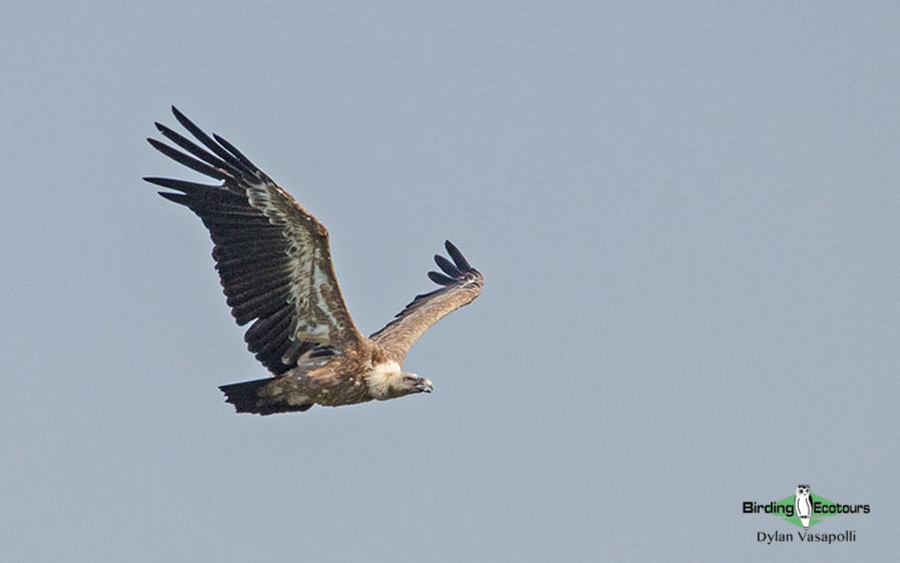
[(274, 264)]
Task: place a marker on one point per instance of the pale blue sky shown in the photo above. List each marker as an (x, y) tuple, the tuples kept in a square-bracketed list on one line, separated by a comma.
[(686, 215)]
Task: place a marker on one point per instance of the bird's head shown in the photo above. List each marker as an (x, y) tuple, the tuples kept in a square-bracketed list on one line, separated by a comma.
[(409, 383), (387, 381)]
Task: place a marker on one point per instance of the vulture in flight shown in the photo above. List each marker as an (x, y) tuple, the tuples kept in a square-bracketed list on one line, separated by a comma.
[(275, 267)]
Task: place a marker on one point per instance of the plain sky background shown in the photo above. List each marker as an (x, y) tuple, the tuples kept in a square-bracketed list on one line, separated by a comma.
[(687, 215)]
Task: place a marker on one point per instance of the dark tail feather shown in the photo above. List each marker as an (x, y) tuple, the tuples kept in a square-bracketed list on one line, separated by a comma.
[(245, 398)]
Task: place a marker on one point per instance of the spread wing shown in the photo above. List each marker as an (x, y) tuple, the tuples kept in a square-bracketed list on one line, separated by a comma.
[(461, 285), (272, 255)]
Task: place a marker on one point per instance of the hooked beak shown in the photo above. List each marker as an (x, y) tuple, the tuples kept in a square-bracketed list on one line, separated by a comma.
[(424, 385)]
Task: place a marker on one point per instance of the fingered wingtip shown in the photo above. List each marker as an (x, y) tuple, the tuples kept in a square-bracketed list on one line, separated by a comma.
[(457, 257), (447, 266)]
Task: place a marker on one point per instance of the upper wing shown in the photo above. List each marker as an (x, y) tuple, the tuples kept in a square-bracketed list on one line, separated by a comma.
[(462, 284), (272, 255)]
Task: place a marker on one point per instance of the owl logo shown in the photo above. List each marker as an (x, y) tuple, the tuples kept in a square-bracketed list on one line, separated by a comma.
[(803, 505)]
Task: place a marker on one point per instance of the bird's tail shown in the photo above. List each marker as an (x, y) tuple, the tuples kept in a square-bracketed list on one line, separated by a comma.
[(246, 397)]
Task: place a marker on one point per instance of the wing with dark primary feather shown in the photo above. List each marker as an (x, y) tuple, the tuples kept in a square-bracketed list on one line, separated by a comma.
[(461, 285), (272, 255)]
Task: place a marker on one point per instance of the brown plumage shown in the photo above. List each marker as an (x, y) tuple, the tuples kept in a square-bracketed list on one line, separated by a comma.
[(274, 264)]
